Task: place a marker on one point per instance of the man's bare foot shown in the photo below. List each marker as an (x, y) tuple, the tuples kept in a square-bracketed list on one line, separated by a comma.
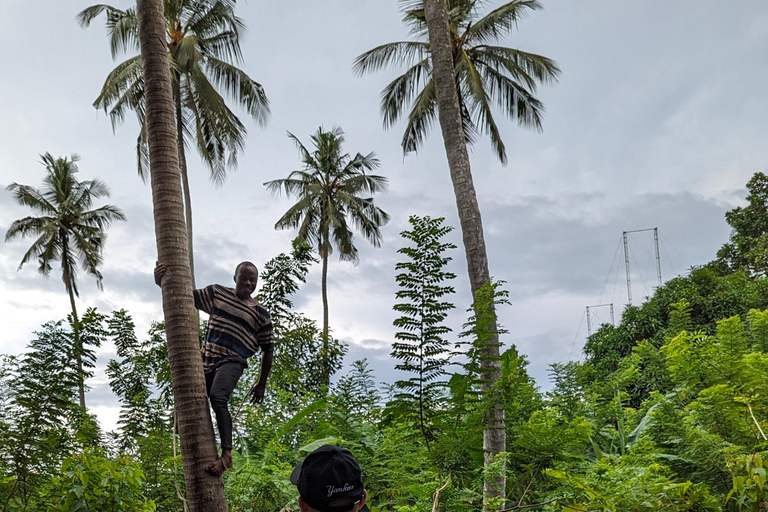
[(220, 465)]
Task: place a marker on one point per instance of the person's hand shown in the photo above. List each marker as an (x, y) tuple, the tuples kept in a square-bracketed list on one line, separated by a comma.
[(257, 393), (160, 269)]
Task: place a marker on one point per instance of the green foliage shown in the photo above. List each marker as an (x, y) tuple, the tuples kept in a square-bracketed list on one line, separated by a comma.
[(91, 482), (281, 278), (747, 248), (481, 329), (749, 489), (421, 348), (140, 379)]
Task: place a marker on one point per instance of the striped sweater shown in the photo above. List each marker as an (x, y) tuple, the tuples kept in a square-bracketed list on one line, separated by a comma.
[(235, 329)]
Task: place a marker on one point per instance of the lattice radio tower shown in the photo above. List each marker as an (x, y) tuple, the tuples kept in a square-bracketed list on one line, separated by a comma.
[(626, 258), (589, 318)]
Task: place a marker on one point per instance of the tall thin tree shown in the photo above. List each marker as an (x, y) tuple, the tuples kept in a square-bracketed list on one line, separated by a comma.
[(205, 493), (451, 124), (67, 230), (331, 191), (421, 345)]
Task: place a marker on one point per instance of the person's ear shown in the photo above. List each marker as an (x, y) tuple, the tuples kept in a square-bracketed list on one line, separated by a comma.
[(362, 501), (303, 506)]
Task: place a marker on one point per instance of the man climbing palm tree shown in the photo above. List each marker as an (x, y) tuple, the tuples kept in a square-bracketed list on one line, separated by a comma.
[(238, 326)]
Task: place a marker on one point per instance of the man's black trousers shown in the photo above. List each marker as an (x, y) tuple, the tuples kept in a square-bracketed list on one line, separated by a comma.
[(220, 383)]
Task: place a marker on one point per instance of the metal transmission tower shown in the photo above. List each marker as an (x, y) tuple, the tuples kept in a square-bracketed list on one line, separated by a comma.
[(589, 319), (626, 257)]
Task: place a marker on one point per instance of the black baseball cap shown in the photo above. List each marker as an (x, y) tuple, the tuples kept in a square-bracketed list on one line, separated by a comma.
[(328, 475)]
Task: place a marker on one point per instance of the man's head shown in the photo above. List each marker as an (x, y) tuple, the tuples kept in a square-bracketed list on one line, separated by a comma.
[(246, 277), (329, 480)]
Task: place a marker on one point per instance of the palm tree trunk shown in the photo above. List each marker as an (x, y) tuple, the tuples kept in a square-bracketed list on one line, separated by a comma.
[(205, 493), (184, 175), (75, 322), (326, 377), (449, 111)]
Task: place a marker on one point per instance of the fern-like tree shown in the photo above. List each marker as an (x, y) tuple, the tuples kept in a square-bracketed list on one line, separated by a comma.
[(299, 362), (66, 229), (333, 190), (421, 348), (203, 42), (487, 76), (140, 378)]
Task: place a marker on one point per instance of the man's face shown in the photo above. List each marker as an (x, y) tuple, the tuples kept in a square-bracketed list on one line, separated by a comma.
[(353, 507), (246, 278)]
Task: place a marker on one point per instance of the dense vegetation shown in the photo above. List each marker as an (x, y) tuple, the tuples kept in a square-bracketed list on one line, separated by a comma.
[(666, 412)]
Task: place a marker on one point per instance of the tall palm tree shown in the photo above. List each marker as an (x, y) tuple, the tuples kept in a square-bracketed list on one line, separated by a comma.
[(205, 493), (485, 74), (203, 45), (329, 191), (66, 229), (450, 113), (456, 75)]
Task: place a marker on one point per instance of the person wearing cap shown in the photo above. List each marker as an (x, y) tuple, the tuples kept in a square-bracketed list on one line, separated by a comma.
[(329, 480)]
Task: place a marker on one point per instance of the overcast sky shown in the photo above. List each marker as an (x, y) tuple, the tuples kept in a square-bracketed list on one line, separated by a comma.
[(658, 121)]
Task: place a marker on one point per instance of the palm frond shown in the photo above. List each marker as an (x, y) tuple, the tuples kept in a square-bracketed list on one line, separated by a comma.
[(31, 197), (219, 133), (207, 18), (28, 226), (293, 217), (185, 54), (420, 119), (306, 156), (402, 89), (390, 54), (38, 247), (102, 217), (122, 26), (123, 89), (413, 16), (500, 21), (521, 66), (224, 45), (475, 86), (68, 260), (242, 89), (512, 99), (365, 184), (142, 153)]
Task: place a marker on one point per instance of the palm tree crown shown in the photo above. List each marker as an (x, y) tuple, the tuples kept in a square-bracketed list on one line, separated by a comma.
[(203, 39), (486, 74), (66, 227), (329, 190)]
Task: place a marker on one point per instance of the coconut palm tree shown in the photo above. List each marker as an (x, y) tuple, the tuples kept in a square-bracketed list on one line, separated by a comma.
[(486, 74), (204, 493), (65, 229), (331, 192), (203, 46)]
